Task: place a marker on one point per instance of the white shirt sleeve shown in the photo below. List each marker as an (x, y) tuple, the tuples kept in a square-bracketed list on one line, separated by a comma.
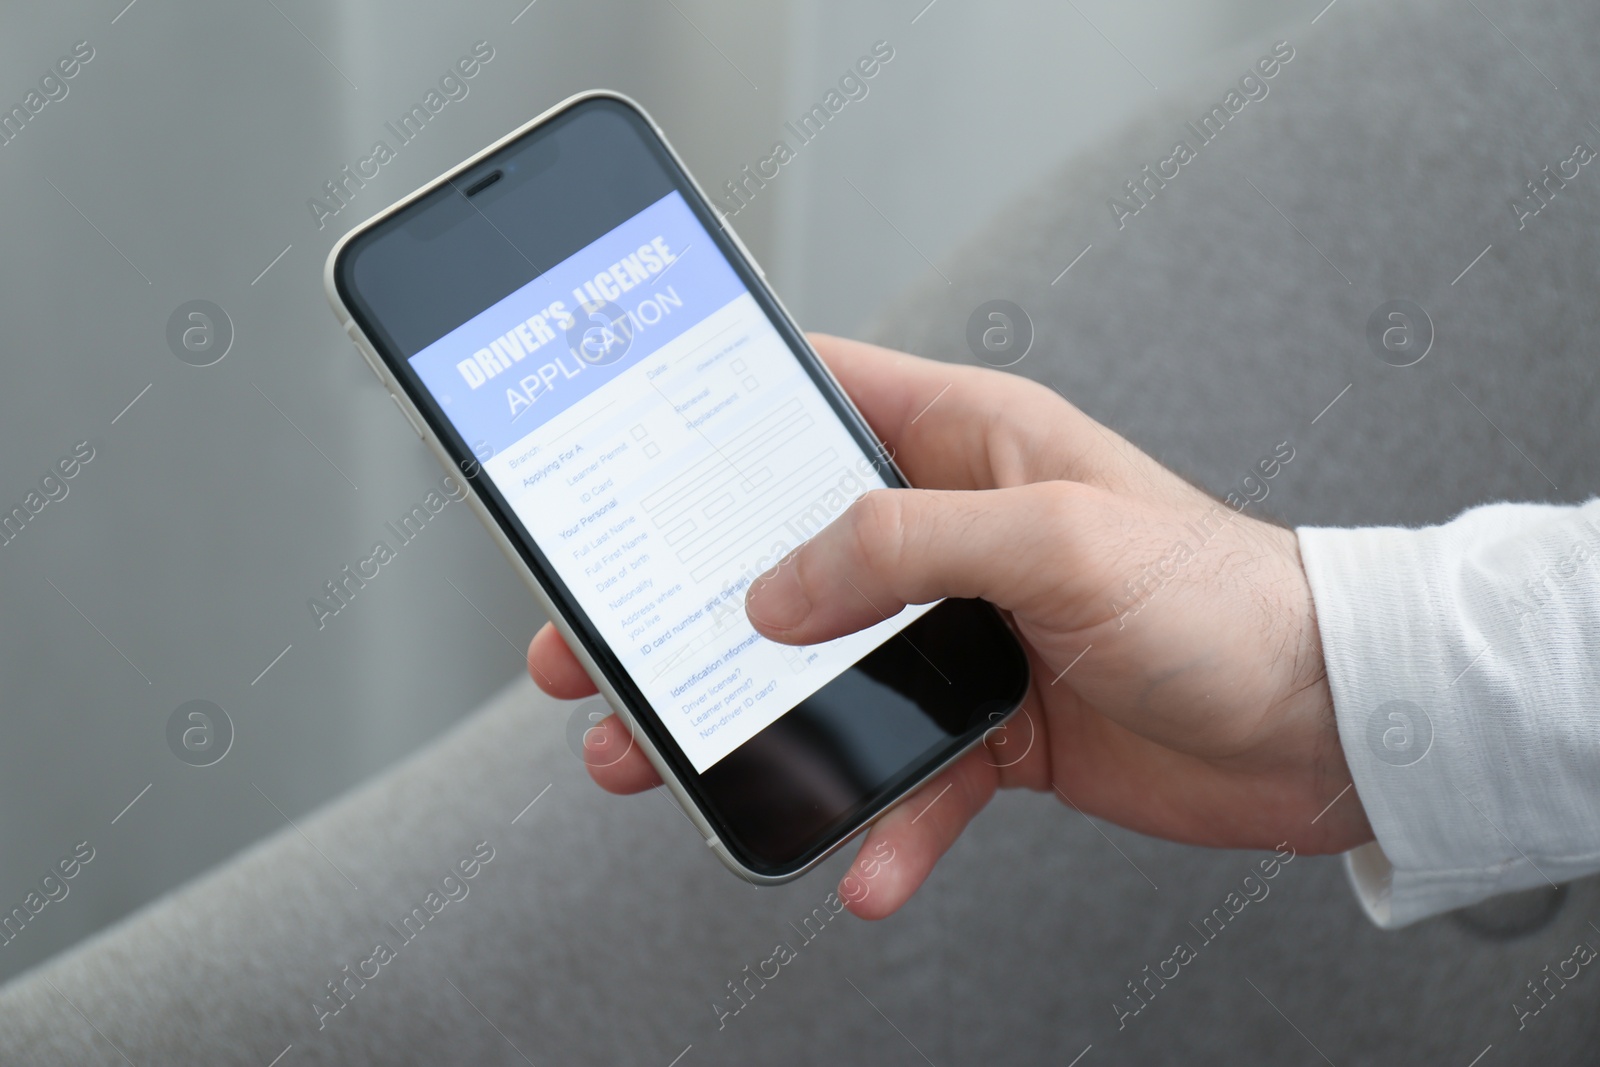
[(1464, 662)]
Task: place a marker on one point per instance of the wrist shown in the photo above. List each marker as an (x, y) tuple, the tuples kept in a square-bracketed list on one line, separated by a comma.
[(1315, 754)]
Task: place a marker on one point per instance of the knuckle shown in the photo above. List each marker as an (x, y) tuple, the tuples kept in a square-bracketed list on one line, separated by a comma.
[(878, 528), (1058, 506)]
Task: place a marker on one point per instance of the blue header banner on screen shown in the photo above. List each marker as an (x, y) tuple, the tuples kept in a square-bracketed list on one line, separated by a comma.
[(579, 325)]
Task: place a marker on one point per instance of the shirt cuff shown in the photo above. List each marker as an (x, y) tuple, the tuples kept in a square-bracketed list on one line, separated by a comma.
[(1461, 660)]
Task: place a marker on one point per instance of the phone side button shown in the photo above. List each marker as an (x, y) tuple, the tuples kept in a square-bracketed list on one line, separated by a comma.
[(367, 354), (410, 418)]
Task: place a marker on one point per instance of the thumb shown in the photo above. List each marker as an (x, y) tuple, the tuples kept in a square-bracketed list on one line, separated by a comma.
[(895, 547)]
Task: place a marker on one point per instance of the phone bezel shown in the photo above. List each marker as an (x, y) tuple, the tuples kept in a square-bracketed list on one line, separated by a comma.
[(566, 612)]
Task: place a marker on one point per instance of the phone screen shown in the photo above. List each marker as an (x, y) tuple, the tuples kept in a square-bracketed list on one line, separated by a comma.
[(650, 431), (645, 421)]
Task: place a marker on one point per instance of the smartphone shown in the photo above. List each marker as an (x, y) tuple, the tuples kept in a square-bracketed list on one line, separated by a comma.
[(568, 324)]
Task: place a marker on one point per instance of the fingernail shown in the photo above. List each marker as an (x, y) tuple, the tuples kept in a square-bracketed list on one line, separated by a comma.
[(777, 600)]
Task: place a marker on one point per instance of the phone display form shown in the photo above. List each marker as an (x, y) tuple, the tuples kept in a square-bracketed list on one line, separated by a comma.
[(569, 325), (651, 429)]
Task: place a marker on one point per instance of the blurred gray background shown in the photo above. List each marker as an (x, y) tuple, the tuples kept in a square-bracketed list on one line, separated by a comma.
[(178, 167)]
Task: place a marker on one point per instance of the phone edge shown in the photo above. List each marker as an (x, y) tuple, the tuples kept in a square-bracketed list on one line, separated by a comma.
[(419, 425)]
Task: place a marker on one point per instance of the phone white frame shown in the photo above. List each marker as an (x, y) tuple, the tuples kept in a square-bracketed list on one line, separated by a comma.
[(414, 416)]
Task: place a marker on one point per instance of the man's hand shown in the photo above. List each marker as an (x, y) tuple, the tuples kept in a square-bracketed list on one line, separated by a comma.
[(1178, 681)]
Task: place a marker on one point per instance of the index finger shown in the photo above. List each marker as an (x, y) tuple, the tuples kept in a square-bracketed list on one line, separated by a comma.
[(955, 427)]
